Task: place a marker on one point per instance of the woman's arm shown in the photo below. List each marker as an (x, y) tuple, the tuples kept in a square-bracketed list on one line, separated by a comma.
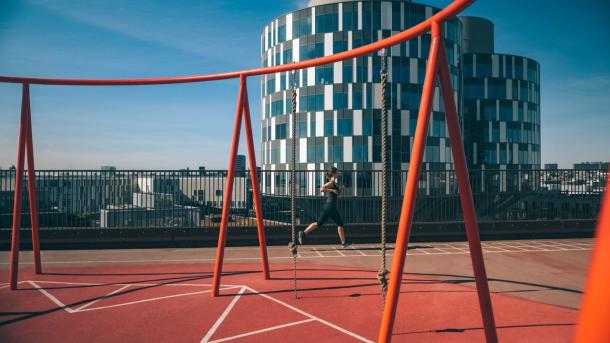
[(327, 187)]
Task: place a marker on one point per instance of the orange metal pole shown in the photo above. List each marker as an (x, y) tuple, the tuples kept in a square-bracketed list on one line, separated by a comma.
[(260, 225), (595, 313), (465, 190), (228, 191), (29, 148), (408, 204), (14, 270)]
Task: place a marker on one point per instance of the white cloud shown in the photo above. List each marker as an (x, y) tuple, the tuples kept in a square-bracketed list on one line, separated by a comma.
[(183, 28)]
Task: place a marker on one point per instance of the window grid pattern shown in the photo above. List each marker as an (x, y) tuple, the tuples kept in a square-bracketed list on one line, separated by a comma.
[(501, 103), (339, 105)]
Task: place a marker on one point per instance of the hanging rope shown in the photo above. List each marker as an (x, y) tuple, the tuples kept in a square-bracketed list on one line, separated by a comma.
[(293, 219), (383, 272)]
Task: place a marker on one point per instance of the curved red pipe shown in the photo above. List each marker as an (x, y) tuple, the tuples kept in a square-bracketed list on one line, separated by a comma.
[(447, 13)]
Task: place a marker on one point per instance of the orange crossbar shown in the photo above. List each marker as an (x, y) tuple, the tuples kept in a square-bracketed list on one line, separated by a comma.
[(447, 13)]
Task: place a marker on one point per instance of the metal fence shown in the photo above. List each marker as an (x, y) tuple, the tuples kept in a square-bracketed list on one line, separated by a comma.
[(178, 198)]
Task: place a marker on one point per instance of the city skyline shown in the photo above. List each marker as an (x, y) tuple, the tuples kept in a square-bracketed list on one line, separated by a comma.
[(165, 126)]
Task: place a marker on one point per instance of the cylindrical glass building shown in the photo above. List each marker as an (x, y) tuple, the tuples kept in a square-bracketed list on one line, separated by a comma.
[(339, 105), (501, 103)]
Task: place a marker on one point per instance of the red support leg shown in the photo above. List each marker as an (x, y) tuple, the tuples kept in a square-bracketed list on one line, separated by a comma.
[(228, 191), (595, 310), (29, 148), (408, 204), (262, 240), (465, 190), (14, 270)]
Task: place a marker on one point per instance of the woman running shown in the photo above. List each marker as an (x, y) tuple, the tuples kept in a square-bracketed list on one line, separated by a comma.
[(332, 190)]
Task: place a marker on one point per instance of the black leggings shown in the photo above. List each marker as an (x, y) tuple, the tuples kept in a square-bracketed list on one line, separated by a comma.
[(329, 211)]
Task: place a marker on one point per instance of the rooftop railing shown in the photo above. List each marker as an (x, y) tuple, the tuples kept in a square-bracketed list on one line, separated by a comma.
[(191, 198)]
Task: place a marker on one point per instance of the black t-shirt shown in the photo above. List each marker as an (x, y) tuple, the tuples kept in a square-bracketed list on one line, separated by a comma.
[(331, 197)]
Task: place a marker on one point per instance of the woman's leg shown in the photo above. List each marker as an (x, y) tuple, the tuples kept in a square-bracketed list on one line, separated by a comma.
[(341, 231), (340, 227), (326, 212), (311, 227)]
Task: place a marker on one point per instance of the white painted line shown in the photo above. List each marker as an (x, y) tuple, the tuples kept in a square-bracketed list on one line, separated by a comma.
[(151, 299), (100, 298), (508, 246), (130, 284), (359, 251), (52, 298), (567, 244), (6, 285), (263, 330), (340, 253), (531, 249), (459, 245), (317, 252), (82, 309), (223, 316), (336, 327)]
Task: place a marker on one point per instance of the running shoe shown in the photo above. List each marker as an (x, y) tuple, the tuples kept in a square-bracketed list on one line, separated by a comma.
[(301, 237), (346, 245)]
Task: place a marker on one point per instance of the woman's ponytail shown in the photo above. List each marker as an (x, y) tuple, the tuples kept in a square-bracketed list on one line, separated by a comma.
[(330, 172)]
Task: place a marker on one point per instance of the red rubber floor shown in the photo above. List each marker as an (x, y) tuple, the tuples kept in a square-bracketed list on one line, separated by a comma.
[(171, 303)]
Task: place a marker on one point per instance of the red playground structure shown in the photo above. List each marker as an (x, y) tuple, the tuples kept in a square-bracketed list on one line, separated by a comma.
[(437, 70)]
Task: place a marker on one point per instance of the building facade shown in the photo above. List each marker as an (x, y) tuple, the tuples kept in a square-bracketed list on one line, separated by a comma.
[(501, 102), (339, 105)]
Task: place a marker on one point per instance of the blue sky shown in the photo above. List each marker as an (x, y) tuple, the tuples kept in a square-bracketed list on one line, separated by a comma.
[(178, 126)]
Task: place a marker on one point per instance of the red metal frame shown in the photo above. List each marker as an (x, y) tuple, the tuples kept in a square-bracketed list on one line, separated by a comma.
[(593, 322), (24, 146), (465, 190), (260, 225), (437, 62), (408, 205), (242, 111)]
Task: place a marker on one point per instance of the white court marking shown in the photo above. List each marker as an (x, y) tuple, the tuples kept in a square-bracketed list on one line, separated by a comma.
[(100, 298), (7, 285), (336, 327), (223, 316), (150, 299), (52, 298), (213, 329), (507, 247), (262, 330), (86, 307)]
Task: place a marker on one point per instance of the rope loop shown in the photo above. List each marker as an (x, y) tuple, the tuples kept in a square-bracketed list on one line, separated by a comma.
[(293, 248), (383, 281)]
